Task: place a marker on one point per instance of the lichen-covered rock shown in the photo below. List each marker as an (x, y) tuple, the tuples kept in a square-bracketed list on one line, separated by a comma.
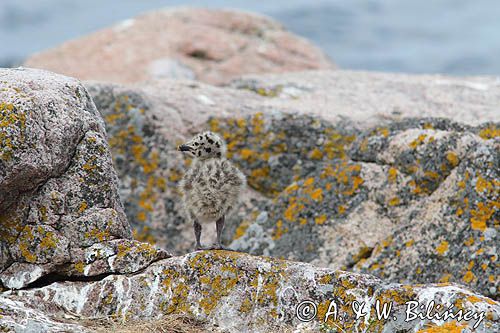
[(414, 190), (144, 129), (325, 190), (372, 99), (276, 148), (452, 235), (238, 292), (209, 45), (58, 189)]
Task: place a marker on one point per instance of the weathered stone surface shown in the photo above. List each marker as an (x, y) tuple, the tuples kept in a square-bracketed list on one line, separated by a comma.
[(238, 292), (145, 122), (452, 235), (327, 191), (372, 98), (15, 316), (59, 204), (209, 45), (144, 130), (431, 182)]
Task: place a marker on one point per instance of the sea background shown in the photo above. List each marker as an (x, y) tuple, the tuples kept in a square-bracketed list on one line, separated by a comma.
[(458, 37)]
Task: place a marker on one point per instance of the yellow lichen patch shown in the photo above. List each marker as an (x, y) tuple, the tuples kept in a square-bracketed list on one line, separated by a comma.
[(83, 207), (175, 283), (100, 235), (442, 248), (214, 287), (341, 209), (141, 216), (48, 241), (43, 213), (29, 256), (292, 211), (420, 140), (320, 219), (12, 129), (317, 194), (490, 132), (388, 241), (309, 181), (469, 242), (393, 173), (452, 158), (394, 201), (445, 278), (384, 131), (257, 122), (468, 277), (268, 92), (450, 327), (316, 154), (481, 215), (410, 243), (240, 231), (247, 154), (79, 267), (432, 175), (26, 238), (326, 279), (279, 230), (246, 306), (292, 188), (483, 185)]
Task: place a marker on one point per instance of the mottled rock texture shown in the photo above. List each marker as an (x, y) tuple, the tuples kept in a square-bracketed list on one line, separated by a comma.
[(239, 292), (416, 200), (337, 165), (213, 46), (60, 213)]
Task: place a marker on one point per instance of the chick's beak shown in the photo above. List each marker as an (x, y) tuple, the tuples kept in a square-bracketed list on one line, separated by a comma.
[(183, 148)]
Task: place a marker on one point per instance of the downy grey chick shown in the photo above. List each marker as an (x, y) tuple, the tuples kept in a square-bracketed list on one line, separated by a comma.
[(212, 185)]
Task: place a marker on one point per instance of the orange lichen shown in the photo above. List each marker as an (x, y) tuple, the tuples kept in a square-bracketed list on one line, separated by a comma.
[(316, 154), (320, 219), (240, 231), (442, 248), (394, 201), (279, 230), (481, 215), (483, 185), (79, 267), (452, 158), (468, 277), (490, 132), (48, 241), (393, 173)]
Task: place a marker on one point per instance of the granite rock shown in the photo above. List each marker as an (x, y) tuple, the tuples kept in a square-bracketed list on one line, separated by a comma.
[(239, 292), (209, 45), (59, 191)]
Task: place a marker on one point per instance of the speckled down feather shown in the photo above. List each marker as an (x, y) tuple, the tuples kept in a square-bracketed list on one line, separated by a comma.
[(211, 188)]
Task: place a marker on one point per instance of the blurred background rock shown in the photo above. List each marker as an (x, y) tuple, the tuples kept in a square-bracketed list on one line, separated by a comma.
[(445, 36)]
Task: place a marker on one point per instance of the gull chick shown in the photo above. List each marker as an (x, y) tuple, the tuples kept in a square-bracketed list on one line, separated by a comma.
[(212, 185)]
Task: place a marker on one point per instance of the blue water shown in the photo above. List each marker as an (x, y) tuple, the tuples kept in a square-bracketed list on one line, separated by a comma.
[(427, 36)]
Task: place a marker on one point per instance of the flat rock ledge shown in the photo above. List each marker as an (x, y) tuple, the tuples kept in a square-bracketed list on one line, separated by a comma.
[(239, 292)]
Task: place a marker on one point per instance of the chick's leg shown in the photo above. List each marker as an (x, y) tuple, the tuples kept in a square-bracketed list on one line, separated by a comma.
[(197, 234), (220, 227)]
